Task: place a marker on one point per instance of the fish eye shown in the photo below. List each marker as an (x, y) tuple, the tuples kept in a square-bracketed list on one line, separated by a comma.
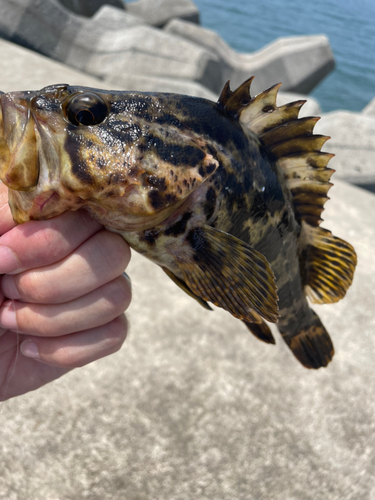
[(86, 109)]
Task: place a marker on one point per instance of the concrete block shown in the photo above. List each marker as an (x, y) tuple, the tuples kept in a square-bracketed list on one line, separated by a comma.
[(103, 47), (42, 71), (353, 143), (50, 29), (369, 110), (208, 39), (89, 7), (300, 63), (160, 12), (146, 51), (108, 19), (194, 406), (24, 22)]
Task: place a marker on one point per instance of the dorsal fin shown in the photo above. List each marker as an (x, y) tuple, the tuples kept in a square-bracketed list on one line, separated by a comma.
[(234, 102), (291, 140)]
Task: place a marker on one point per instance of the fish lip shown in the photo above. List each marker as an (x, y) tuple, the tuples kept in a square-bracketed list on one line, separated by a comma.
[(18, 154), (14, 107), (43, 205)]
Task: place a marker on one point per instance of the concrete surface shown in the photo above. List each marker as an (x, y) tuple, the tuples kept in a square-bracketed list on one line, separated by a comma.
[(299, 62), (193, 406), (23, 69), (47, 27), (143, 50), (353, 143), (158, 13), (89, 7)]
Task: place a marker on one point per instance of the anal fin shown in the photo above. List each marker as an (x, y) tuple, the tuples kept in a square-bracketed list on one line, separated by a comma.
[(226, 271), (261, 331)]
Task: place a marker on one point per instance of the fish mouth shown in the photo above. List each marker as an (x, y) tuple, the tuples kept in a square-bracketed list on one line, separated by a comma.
[(29, 164), (18, 144), (44, 205)]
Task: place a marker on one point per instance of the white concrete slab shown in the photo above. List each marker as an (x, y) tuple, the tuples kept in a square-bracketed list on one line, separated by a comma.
[(159, 13)]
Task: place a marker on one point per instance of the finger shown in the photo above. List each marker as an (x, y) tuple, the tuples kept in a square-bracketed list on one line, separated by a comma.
[(97, 261), (46, 359), (94, 309), (40, 243), (1, 292), (20, 374), (6, 219), (78, 349)]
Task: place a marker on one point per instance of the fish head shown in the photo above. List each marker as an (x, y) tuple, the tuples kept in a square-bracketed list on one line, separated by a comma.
[(65, 148)]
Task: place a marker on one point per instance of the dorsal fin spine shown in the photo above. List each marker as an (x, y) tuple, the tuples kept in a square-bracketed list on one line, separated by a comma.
[(291, 140)]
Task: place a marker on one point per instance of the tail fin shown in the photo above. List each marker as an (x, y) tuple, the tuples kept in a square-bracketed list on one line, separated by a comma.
[(312, 345)]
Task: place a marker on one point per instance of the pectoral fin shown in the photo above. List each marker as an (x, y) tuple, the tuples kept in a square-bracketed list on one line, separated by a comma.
[(224, 270), (181, 284)]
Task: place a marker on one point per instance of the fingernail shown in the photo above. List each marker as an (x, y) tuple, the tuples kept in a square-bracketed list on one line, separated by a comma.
[(8, 318), (8, 260), (9, 288), (30, 349), (127, 277)]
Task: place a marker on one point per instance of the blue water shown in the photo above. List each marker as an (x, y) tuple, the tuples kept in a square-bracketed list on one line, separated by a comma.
[(349, 24)]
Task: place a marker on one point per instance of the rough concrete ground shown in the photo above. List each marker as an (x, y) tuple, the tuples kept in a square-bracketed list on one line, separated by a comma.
[(193, 406)]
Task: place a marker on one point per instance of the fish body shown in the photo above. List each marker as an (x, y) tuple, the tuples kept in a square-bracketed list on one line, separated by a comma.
[(226, 197)]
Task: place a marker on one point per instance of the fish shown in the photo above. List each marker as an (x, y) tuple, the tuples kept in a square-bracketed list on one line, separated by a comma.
[(225, 197)]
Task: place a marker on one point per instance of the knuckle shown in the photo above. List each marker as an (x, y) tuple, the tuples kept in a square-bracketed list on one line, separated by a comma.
[(29, 322), (50, 241), (114, 250), (116, 333), (119, 294), (32, 286)]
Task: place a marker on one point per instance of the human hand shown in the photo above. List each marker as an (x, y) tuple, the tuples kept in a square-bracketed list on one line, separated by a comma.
[(67, 297)]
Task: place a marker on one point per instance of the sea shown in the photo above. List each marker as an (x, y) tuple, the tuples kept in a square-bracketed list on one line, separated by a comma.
[(248, 25)]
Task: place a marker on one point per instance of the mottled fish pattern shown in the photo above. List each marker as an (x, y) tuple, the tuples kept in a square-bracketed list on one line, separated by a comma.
[(226, 197)]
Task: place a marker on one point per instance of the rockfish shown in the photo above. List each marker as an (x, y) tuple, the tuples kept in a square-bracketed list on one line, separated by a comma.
[(226, 197)]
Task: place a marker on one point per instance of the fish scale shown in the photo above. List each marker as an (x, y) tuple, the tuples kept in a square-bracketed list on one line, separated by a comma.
[(226, 197)]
